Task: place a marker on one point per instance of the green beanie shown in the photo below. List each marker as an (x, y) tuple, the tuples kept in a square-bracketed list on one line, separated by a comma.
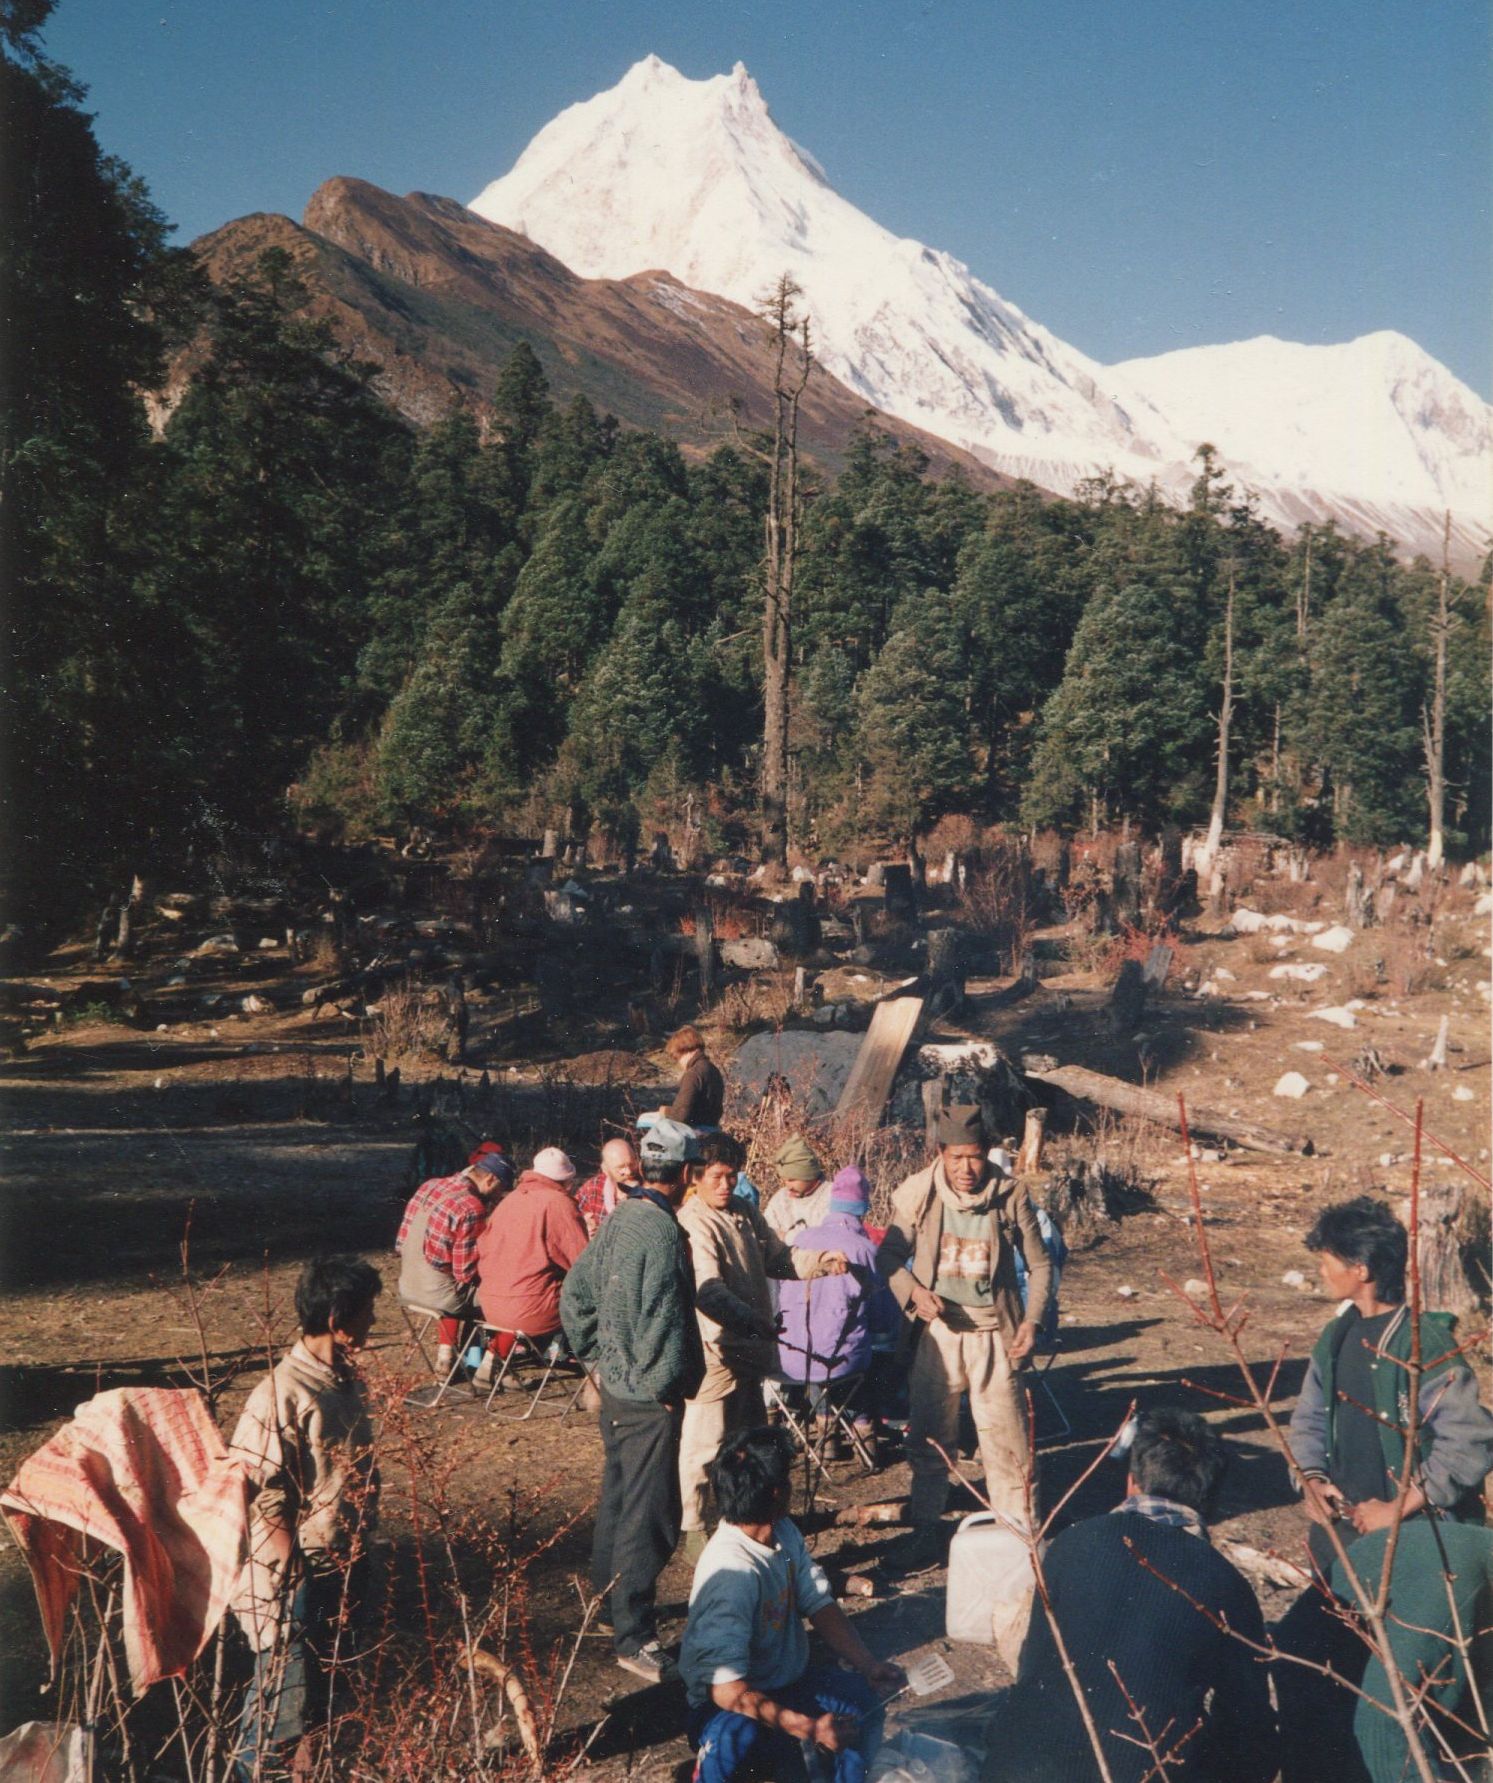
[(796, 1162)]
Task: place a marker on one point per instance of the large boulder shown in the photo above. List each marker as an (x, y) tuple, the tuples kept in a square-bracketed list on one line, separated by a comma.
[(814, 1064)]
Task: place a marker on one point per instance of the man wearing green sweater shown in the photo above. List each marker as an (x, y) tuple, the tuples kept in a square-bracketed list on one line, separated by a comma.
[(629, 1312)]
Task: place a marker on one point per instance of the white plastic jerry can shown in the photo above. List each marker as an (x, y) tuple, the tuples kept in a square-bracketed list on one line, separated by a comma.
[(990, 1572)]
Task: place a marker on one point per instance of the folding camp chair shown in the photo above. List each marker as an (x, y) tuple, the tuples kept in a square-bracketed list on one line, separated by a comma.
[(443, 1386), (834, 1415), (515, 1371)]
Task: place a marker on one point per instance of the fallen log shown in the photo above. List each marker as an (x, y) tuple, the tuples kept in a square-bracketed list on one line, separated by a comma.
[(1154, 1105)]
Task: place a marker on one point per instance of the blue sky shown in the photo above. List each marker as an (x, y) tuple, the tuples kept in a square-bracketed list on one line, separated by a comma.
[(1137, 175)]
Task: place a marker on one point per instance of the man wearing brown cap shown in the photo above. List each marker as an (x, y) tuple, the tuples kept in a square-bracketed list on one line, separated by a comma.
[(949, 1257)]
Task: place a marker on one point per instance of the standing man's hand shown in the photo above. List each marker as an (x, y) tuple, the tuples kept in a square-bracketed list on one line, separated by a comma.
[(833, 1263), (925, 1303), (1023, 1343)]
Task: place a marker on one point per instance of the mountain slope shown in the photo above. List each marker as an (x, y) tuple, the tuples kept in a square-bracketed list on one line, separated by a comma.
[(695, 178), (437, 298)]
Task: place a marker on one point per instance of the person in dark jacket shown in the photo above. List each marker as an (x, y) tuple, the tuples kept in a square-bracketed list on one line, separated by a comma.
[(1141, 1598), (629, 1312), (701, 1096)]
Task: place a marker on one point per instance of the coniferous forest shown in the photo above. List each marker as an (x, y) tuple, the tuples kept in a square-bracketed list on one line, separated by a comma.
[(272, 600)]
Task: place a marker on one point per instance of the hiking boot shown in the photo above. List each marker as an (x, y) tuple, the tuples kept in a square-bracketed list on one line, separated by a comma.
[(650, 1662), (484, 1374), (919, 1552), (445, 1357)]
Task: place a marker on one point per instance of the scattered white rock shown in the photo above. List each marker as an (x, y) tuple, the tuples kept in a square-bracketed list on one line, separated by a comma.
[(1293, 1278), (1307, 973), (1395, 863), (1282, 940), (1354, 1003), (267, 943), (1224, 975), (1194, 1289), (1126, 1293), (160, 1083), (1292, 1085), (1247, 922), (1340, 1018), (1462, 1094), (1484, 905), (1307, 1046), (1337, 939), (1256, 996), (750, 954), (253, 1005), (163, 1027), (1332, 1077)]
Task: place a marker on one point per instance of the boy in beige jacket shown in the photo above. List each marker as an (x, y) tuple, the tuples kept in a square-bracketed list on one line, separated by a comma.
[(735, 1252), (306, 1443)]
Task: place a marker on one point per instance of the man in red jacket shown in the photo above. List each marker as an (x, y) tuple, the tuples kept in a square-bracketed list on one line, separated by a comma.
[(526, 1250)]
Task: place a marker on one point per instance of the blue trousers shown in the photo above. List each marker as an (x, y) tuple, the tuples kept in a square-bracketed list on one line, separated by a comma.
[(728, 1743)]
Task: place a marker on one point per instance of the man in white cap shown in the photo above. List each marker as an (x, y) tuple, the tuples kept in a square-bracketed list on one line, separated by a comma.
[(629, 1311), (525, 1251)]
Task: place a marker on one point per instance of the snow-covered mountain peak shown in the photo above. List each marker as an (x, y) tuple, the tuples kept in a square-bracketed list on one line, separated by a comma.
[(694, 177)]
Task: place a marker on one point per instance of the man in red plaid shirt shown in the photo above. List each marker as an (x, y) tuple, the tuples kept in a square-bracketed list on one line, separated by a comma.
[(437, 1241), (620, 1176)]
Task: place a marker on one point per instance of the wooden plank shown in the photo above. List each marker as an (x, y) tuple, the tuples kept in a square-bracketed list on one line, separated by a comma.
[(1151, 1105), (870, 1080)]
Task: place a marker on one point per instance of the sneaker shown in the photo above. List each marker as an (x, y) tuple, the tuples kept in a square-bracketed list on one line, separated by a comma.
[(445, 1355), (650, 1662), (919, 1552), (484, 1374)]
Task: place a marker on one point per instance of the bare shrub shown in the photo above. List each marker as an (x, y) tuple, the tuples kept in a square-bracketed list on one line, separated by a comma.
[(410, 1021)]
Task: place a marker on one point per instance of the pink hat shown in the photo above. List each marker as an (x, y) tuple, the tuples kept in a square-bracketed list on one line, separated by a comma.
[(553, 1163)]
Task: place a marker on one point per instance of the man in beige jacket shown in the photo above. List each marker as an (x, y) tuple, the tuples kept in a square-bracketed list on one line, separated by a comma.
[(949, 1258), (734, 1251)]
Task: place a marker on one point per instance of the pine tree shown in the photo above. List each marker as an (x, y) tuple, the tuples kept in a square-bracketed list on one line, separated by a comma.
[(1125, 733)]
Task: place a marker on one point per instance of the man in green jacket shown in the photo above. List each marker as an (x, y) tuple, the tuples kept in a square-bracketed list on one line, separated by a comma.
[(629, 1312), (1348, 1434)]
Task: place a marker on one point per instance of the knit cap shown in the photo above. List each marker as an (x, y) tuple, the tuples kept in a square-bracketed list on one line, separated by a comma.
[(850, 1192), (554, 1164), (492, 1163), (796, 1161)]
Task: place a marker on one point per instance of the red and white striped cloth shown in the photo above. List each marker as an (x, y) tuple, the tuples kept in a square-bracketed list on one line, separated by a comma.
[(144, 1471)]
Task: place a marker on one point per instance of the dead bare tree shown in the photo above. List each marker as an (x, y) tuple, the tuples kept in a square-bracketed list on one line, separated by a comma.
[(1433, 719), (1225, 722), (793, 360)]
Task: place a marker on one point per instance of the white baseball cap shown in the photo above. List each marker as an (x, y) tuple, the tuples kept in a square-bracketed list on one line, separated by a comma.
[(554, 1164)]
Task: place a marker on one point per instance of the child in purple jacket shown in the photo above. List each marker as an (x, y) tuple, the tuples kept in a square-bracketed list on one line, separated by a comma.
[(827, 1328)]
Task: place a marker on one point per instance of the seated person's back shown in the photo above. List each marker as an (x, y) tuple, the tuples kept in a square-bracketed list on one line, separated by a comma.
[(1170, 1656), (527, 1247)]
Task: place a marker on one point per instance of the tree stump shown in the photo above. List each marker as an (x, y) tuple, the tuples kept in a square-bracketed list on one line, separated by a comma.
[(1447, 1244), (1127, 1001), (897, 889), (705, 952), (1029, 1158), (1127, 884), (1358, 900), (946, 969)]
